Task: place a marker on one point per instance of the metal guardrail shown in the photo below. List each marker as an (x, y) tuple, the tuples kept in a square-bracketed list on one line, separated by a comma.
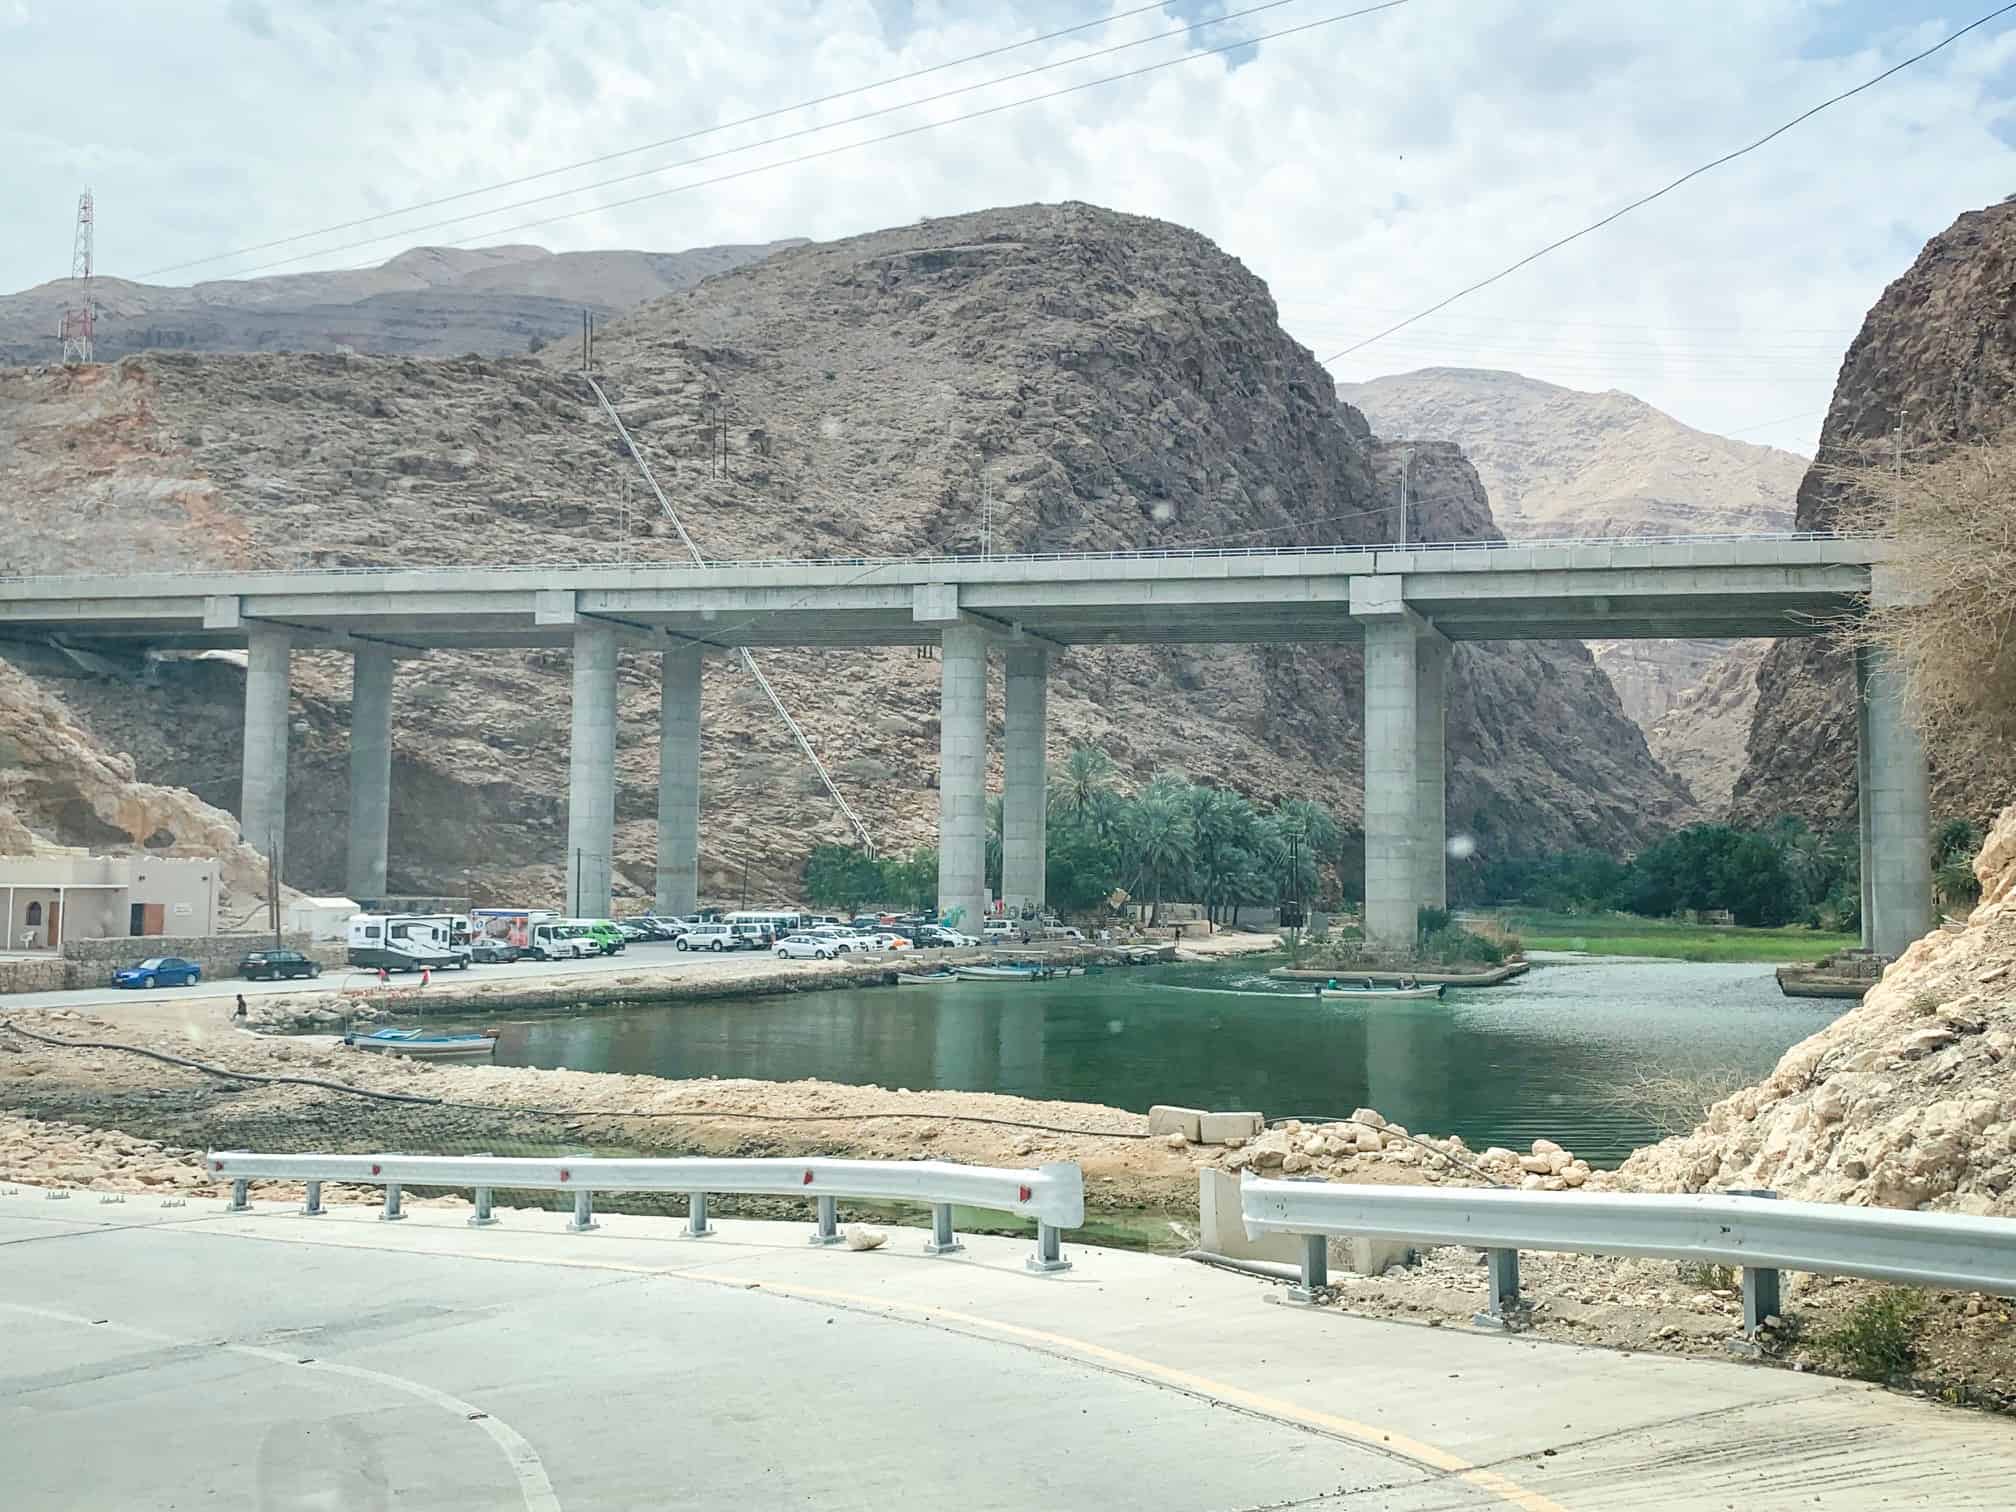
[(1054, 1195), (1749, 1230), (1171, 553)]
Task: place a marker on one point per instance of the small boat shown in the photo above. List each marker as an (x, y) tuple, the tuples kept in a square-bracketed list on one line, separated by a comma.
[(919, 978), (415, 1043), (1406, 990), (1006, 973)]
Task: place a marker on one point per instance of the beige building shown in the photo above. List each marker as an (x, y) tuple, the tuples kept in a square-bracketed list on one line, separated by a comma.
[(73, 895)]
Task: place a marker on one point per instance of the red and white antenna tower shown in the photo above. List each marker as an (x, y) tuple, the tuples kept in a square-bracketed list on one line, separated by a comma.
[(75, 330)]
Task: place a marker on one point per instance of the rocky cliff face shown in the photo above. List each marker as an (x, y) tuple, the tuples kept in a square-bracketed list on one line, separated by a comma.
[(1563, 462), (1084, 379), (1934, 365), (430, 301)]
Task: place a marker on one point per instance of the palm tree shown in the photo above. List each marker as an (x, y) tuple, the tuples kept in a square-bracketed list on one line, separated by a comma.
[(1163, 841), (1087, 777), (1955, 883)]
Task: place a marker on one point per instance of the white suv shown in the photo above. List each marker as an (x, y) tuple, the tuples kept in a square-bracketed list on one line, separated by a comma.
[(705, 937)]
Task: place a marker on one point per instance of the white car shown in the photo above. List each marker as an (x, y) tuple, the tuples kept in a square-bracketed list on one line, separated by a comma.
[(801, 947), (843, 940), (883, 939), (999, 929), (705, 937)]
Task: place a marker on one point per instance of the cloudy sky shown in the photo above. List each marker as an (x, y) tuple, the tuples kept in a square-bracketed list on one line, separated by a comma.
[(1366, 167)]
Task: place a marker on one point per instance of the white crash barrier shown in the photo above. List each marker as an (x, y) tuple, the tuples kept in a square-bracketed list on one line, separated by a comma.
[(1054, 1195), (1750, 1230)]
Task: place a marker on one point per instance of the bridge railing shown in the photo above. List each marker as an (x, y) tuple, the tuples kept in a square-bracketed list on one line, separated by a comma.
[(1054, 1195), (1144, 554), (1748, 1230)]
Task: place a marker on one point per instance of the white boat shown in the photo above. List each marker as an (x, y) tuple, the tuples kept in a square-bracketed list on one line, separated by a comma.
[(920, 978), (1006, 973), (1404, 992), (423, 1046)]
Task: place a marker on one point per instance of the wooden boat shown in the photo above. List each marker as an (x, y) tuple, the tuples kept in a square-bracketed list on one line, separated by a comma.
[(919, 978), (1007, 973), (423, 1046), (1401, 992)]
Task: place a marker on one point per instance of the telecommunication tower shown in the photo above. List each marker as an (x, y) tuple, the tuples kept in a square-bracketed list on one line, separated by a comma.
[(75, 331)]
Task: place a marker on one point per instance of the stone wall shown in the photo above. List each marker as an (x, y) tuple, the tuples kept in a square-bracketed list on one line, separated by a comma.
[(36, 974), (91, 962)]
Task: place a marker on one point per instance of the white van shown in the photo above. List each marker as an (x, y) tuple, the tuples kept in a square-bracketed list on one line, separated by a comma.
[(706, 937), (554, 941), (1003, 929)]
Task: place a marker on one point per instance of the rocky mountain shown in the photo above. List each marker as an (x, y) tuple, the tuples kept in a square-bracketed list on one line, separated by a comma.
[(1563, 462), (1934, 365), (1088, 379), (429, 301)]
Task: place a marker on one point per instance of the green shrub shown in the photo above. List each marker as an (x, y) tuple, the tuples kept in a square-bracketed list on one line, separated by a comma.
[(1877, 1340)]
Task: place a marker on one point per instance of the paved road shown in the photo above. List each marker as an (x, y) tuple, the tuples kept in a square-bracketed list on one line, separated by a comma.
[(179, 1357), (656, 956)]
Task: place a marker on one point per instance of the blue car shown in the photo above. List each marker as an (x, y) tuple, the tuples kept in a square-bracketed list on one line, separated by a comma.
[(158, 971)]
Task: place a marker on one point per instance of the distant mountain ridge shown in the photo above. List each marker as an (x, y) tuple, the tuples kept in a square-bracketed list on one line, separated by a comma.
[(426, 302)]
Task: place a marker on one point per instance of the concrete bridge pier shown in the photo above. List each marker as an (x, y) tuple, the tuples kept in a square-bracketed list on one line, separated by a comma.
[(1025, 802), (1896, 805), (591, 772), (962, 776), (1406, 671), (262, 792), (678, 889), (370, 770)]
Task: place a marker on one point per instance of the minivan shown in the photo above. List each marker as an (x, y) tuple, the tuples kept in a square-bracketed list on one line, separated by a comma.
[(706, 937), (601, 933)]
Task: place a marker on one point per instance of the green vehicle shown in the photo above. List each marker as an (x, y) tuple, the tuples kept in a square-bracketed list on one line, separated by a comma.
[(607, 937)]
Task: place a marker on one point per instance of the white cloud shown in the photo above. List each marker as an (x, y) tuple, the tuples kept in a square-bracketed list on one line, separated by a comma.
[(1364, 169)]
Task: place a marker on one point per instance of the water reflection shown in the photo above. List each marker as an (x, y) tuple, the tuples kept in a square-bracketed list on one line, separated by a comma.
[(1499, 1066)]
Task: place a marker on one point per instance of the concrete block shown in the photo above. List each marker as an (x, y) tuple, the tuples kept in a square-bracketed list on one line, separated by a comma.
[(1163, 1119), (1222, 1231), (1216, 1128)]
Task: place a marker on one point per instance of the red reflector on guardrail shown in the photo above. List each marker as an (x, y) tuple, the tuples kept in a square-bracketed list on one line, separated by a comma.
[(1022, 1194), (808, 1179), (566, 1175)]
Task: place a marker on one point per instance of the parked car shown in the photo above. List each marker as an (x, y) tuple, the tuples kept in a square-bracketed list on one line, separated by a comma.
[(843, 940), (805, 946), (1063, 932), (1001, 929), (158, 971), (887, 939), (937, 937), (273, 964), (707, 937), (753, 936), (494, 953)]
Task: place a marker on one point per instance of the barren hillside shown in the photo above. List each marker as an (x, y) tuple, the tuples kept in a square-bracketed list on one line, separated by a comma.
[(1104, 380), (1933, 365), (429, 301)]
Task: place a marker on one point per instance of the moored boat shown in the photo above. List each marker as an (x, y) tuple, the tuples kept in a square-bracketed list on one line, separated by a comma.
[(1009, 973), (919, 978), (1406, 991), (420, 1045)]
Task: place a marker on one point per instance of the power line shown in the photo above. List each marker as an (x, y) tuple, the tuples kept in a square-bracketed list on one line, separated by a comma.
[(671, 141), (908, 131), (1695, 173), (405, 232)]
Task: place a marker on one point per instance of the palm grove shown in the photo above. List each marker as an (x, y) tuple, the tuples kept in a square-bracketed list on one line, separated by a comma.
[(1174, 839)]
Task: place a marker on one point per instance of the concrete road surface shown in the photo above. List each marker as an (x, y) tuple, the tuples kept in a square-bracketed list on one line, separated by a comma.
[(179, 1357)]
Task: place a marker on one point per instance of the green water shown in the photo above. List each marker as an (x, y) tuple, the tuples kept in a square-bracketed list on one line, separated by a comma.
[(1500, 1065)]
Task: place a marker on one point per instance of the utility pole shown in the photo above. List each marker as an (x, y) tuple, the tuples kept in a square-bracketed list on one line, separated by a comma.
[(986, 517), (1400, 503), (273, 886)]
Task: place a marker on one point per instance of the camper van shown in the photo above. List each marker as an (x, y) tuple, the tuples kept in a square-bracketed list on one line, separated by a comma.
[(403, 942)]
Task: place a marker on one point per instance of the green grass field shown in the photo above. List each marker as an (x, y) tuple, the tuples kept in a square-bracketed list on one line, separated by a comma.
[(1625, 934)]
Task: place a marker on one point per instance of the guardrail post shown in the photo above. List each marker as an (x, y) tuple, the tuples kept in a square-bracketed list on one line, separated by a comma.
[(1049, 1254), (828, 1231), (943, 1240), (482, 1218), (313, 1207), (238, 1203), (1760, 1283), (1504, 1304), (1315, 1268), (391, 1213), (584, 1213), (697, 1226)]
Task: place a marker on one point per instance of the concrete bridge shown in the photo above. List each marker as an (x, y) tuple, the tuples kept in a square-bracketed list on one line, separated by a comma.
[(1405, 606)]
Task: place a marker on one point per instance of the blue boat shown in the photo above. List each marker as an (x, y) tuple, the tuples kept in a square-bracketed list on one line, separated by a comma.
[(424, 1046)]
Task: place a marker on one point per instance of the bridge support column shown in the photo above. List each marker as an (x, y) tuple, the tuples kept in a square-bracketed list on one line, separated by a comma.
[(1406, 675), (370, 771), (1431, 824), (591, 772), (962, 777), (262, 793), (1865, 858), (1900, 821), (1025, 804), (678, 890)]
